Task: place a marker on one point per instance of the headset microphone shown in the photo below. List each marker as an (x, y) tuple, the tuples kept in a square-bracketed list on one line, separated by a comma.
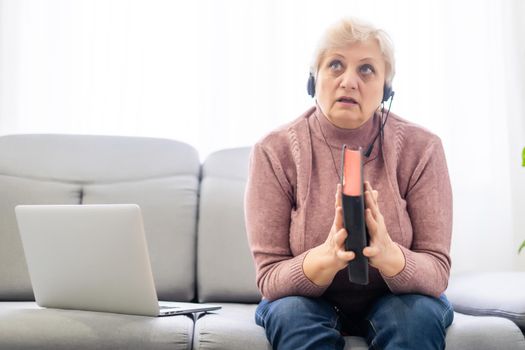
[(391, 97)]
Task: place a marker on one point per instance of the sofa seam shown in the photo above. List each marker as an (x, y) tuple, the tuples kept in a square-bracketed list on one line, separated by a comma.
[(191, 344), (89, 183), (488, 312)]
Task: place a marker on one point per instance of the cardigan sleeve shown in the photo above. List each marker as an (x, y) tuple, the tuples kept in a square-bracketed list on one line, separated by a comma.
[(269, 201), (429, 205)]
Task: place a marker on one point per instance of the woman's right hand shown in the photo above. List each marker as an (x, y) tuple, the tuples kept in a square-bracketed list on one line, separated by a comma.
[(322, 263)]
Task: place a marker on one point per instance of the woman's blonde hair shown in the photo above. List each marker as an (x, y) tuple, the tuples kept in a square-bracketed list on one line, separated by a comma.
[(348, 31)]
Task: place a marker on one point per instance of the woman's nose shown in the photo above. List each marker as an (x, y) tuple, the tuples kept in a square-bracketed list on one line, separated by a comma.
[(349, 81)]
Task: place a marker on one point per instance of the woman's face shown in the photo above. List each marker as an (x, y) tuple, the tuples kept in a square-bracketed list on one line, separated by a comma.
[(349, 84)]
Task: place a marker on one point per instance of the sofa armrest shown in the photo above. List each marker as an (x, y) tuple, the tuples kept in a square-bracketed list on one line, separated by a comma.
[(490, 294)]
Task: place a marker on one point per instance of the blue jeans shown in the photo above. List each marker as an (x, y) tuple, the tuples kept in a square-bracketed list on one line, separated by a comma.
[(405, 321)]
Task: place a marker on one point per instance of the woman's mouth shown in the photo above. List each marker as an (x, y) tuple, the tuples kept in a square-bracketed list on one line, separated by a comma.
[(347, 101)]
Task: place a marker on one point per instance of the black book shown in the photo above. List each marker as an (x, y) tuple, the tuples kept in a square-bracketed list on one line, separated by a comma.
[(353, 203)]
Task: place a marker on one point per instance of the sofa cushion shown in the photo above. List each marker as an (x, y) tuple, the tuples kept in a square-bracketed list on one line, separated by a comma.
[(168, 207), (233, 327), (23, 325), (225, 267), (490, 294), (14, 276), (162, 176), (86, 158), (480, 333)]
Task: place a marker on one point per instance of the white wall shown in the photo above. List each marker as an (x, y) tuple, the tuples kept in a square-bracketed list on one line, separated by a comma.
[(517, 125), (222, 73)]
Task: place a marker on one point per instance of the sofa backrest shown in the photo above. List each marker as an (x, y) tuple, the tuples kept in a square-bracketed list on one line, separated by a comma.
[(161, 176), (225, 269)]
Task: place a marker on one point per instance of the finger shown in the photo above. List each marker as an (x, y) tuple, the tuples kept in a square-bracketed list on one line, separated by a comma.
[(370, 252), (338, 199), (368, 187), (371, 222), (340, 237), (372, 204), (338, 218), (369, 201), (345, 255)]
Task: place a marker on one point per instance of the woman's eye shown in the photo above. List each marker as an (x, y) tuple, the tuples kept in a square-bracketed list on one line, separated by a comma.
[(335, 65), (366, 69)]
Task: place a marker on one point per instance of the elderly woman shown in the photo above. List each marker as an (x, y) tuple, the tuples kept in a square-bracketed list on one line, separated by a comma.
[(295, 226)]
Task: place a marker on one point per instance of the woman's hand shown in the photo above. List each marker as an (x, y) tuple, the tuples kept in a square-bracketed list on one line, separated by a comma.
[(382, 252), (322, 263), (334, 245)]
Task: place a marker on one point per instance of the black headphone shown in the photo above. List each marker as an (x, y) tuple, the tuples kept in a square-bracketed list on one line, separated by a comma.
[(310, 87)]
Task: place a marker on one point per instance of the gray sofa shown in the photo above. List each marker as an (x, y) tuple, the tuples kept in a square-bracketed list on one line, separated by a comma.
[(193, 216)]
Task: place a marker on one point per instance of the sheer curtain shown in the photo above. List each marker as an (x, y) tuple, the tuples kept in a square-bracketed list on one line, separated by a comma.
[(219, 73)]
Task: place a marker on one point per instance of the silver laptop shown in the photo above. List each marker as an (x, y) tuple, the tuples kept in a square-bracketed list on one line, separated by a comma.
[(92, 257)]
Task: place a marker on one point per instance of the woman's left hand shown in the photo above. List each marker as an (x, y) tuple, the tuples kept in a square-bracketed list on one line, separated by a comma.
[(383, 253)]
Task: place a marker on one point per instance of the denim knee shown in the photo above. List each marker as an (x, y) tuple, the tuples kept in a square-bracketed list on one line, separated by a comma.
[(288, 309), (409, 321), (298, 322)]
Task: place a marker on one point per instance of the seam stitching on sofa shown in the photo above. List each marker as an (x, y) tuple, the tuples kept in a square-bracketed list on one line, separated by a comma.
[(26, 177), (488, 312)]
